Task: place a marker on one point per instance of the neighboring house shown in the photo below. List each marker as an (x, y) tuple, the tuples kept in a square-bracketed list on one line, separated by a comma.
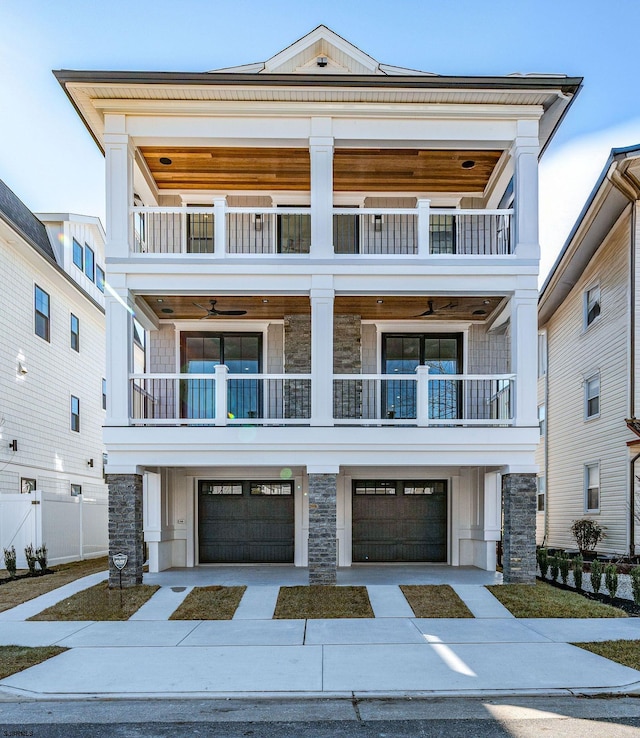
[(52, 390), (335, 263), (588, 386)]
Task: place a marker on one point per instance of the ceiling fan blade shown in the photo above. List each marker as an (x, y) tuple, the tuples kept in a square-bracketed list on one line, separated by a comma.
[(229, 312), (206, 317), (202, 307), (428, 312)]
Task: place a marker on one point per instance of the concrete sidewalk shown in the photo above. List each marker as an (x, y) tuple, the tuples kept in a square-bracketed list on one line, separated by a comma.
[(252, 655)]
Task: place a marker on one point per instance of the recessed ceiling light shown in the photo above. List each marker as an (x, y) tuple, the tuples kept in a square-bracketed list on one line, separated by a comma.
[(160, 299), (265, 301), (166, 310), (469, 164), (379, 302), (486, 302), (166, 161)]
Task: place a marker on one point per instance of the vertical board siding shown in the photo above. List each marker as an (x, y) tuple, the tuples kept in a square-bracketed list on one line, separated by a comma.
[(574, 355)]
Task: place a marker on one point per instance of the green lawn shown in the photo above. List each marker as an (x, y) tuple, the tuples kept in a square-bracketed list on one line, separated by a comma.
[(209, 603), (541, 600), (18, 658), (624, 652), (435, 601), (318, 601)]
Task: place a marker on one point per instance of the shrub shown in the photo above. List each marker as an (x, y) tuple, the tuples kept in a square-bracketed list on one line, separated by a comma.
[(543, 561), (553, 560), (42, 555), (578, 563), (596, 575), (611, 579), (30, 555), (587, 533), (10, 561), (635, 584), (564, 563)]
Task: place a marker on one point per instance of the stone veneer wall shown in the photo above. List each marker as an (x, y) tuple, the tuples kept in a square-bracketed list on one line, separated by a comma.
[(347, 359), (519, 539), (297, 360), (322, 529), (125, 527)]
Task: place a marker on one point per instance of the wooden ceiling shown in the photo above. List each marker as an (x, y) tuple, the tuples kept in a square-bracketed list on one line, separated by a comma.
[(355, 170), (275, 307)]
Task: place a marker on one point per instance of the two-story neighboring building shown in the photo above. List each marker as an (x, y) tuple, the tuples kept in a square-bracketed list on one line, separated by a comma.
[(335, 262), (52, 382), (589, 385)]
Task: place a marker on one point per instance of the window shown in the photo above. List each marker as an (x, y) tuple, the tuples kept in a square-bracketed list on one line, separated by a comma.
[(542, 490), (271, 488), (76, 490), (542, 419), (89, 262), (27, 485), (78, 255), (591, 305), (374, 487), (42, 313), (75, 414), (104, 393), (442, 234), (542, 354), (221, 488), (592, 397), (100, 278), (592, 487), (75, 333)]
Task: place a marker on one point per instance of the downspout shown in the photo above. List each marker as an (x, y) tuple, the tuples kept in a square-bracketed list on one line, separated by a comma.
[(546, 438)]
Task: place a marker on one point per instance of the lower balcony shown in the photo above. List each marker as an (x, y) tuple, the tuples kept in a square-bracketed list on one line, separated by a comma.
[(225, 399)]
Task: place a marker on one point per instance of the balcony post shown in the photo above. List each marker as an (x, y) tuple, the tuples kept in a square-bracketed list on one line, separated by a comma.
[(422, 395), (220, 227), (525, 152), (221, 372), (524, 343), (424, 207), (321, 155), (119, 155), (119, 308), (322, 353)]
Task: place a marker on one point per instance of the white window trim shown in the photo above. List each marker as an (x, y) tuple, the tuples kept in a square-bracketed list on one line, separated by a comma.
[(542, 419), (541, 493), (590, 288), (587, 509), (590, 378)]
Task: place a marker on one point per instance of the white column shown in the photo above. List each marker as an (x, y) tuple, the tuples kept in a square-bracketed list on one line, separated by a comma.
[(525, 152), (321, 155), (220, 226), (152, 517), (119, 307), (422, 395), (424, 207), (524, 351), (221, 372), (119, 158), (322, 296)]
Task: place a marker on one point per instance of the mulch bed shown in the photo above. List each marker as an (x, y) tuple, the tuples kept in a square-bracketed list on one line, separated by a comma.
[(6, 580), (628, 606)]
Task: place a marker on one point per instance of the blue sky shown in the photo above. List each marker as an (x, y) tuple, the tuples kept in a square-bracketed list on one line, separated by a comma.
[(50, 161)]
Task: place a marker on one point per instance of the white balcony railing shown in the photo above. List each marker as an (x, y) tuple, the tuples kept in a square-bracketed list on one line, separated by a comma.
[(233, 231), (420, 399)]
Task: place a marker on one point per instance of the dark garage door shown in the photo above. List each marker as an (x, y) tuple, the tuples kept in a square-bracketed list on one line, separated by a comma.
[(399, 521), (245, 522)]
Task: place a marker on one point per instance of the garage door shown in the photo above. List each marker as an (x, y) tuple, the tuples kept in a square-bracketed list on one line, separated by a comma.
[(245, 522), (399, 520)]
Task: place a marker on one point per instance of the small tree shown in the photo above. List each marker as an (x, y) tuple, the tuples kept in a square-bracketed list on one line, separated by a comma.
[(635, 584), (553, 560), (564, 563), (543, 561), (42, 555), (596, 575), (578, 563), (587, 533), (10, 561), (30, 555), (611, 579)]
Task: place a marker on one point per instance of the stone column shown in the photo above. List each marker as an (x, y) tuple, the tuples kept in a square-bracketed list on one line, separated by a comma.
[(519, 538), (322, 529), (297, 360), (125, 527)]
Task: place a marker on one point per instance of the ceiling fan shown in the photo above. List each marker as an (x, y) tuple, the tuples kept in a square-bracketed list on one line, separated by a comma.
[(213, 312), (432, 311)]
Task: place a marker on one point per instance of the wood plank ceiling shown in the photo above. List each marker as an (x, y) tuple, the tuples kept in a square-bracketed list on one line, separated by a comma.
[(355, 170), (275, 307)]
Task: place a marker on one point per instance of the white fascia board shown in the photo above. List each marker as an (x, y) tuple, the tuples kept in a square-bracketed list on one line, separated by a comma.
[(90, 220)]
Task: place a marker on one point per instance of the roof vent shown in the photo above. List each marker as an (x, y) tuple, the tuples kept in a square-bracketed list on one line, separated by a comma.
[(321, 61)]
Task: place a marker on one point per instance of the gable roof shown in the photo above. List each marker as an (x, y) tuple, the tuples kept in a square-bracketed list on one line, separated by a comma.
[(17, 215), (615, 188)]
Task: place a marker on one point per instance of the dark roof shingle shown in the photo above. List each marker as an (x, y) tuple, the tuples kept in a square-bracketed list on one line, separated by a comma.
[(19, 217)]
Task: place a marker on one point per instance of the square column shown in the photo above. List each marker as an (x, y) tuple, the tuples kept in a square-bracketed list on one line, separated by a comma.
[(322, 297), (321, 155), (519, 540), (125, 528), (524, 348), (119, 158), (322, 528), (119, 309), (525, 153)]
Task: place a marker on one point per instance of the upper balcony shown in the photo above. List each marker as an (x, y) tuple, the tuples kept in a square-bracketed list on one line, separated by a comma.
[(419, 232)]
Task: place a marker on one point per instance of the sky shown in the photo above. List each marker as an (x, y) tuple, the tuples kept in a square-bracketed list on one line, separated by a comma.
[(50, 161)]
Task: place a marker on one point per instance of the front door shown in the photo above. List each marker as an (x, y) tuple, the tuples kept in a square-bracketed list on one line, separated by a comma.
[(402, 353), (201, 352)]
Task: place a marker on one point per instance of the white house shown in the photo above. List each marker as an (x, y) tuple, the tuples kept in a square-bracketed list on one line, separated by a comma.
[(589, 381), (52, 382), (335, 263)]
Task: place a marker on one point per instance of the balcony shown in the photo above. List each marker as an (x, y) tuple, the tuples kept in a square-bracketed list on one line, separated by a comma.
[(222, 399), (230, 232)]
